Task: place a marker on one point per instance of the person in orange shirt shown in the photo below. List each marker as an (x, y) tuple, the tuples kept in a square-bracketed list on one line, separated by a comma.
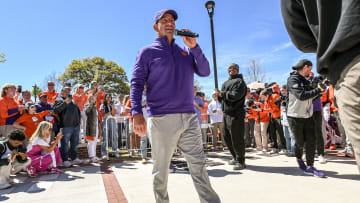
[(275, 127), (30, 120), (100, 93), (80, 98), (260, 112), (50, 93), (10, 110)]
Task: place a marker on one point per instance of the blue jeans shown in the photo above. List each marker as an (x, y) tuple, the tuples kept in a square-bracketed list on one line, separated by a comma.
[(70, 134), (290, 142), (109, 131), (143, 146), (120, 130)]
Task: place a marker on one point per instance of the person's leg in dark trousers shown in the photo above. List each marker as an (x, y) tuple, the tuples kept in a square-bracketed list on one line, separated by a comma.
[(272, 133), (280, 132), (317, 117), (227, 135), (297, 128), (310, 139), (247, 134), (252, 136), (120, 129), (235, 126), (64, 149), (74, 142)]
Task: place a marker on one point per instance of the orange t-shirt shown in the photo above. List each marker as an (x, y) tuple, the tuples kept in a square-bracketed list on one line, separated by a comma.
[(275, 109), (31, 122), (8, 110), (51, 96), (128, 106), (264, 115), (204, 111), (80, 100)]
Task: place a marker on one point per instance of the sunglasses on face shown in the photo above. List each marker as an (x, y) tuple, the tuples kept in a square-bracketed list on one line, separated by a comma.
[(32, 107), (81, 87), (51, 85)]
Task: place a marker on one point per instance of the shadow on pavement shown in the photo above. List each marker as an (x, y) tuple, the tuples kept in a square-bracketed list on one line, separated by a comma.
[(295, 171), (218, 173)]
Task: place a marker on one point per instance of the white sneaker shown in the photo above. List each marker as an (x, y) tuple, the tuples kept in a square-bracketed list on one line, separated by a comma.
[(322, 159), (117, 155), (104, 157), (274, 151), (67, 164), (77, 161), (303, 157), (93, 160), (283, 151)]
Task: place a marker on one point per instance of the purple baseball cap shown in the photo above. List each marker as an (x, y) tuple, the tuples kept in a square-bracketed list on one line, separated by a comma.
[(161, 13)]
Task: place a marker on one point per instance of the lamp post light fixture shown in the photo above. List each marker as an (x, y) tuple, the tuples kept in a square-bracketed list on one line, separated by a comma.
[(210, 5)]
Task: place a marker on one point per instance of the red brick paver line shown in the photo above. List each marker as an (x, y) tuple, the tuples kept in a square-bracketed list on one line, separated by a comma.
[(113, 190)]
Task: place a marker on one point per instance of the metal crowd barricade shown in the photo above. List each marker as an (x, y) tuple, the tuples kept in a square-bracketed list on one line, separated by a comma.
[(126, 138)]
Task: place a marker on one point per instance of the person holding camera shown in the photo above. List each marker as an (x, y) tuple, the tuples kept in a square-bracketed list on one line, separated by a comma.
[(300, 114), (12, 156), (10, 110), (260, 112), (69, 116), (232, 98), (44, 153)]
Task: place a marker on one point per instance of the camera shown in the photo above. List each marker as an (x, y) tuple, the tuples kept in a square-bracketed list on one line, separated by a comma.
[(256, 106), (19, 89), (320, 80)]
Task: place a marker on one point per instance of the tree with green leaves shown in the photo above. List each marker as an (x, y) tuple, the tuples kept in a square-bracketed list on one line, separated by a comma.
[(106, 73), (35, 93), (2, 58)]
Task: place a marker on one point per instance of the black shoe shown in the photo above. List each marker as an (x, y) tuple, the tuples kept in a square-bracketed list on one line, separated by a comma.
[(239, 166)]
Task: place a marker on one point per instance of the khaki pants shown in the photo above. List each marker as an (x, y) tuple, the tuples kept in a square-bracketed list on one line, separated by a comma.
[(347, 95), (215, 128), (261, 136), (5, 131), (168, 132)]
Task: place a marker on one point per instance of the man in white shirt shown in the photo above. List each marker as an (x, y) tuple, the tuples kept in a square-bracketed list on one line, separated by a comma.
[(120, 112), (216, 117)]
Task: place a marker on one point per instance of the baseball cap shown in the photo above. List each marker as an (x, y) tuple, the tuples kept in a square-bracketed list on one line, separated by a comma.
[(161, 13), (301, 64), (234, 65), (42, 95), (253, 91)]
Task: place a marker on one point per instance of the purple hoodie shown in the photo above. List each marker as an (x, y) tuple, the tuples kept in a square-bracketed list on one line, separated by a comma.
[(168, 72)]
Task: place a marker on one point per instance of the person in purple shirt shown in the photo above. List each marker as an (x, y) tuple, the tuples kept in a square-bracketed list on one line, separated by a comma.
[(198, 104), (168, 70), (318, 119), (43, 105)]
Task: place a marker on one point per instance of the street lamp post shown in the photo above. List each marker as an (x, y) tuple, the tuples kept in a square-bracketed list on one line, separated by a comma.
[(210, 5)]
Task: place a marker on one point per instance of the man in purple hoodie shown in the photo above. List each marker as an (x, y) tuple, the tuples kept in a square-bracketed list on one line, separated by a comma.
[(167, 70)]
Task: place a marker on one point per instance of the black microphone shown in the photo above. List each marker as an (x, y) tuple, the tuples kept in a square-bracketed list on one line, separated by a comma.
[(186, 34)]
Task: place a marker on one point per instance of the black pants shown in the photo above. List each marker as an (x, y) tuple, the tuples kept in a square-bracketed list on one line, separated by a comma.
[(303, 131), (233, 131), (249, 133), (275, 131), (317, 116)]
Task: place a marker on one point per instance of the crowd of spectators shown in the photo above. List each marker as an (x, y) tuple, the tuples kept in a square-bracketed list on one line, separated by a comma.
[(50, 130)]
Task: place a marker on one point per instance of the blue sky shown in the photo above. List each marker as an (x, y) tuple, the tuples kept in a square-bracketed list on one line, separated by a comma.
[(40, 37)]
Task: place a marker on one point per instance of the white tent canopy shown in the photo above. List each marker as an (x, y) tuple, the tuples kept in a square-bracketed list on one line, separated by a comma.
[(256, 85)]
